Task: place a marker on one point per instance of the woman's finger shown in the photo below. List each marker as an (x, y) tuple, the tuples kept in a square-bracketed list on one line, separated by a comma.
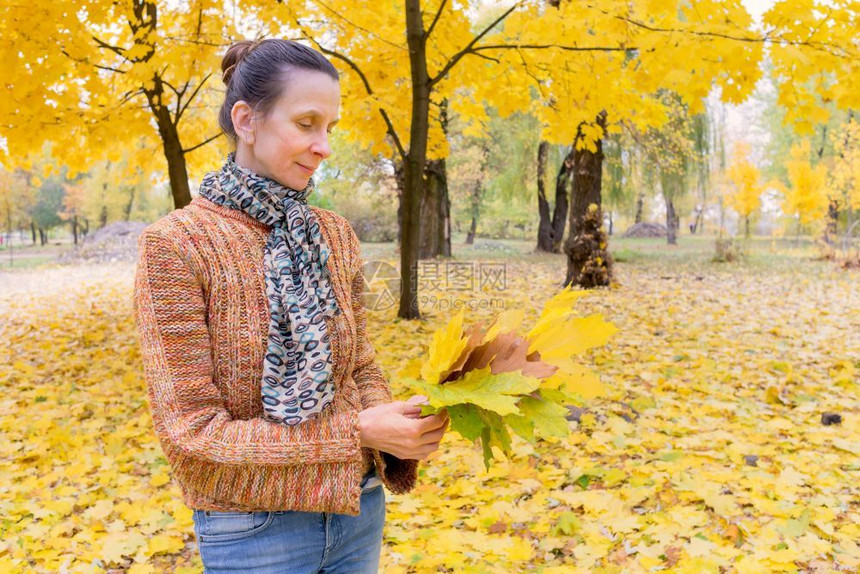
[(417, 400), (433, 437), (433, 422)]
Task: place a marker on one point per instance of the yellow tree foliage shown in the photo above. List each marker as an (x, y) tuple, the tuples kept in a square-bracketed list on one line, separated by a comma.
[(814, 56), (844, 181), (569, 63), (806, 194), (579, 58), (8, 203), (746, 187), (98, 75)]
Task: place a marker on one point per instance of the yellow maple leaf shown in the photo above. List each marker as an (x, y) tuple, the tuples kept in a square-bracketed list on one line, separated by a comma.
[(560, 305), (159, 479), (164, 543), (559, 340), (446, 346), (505, 322), (574, 378), (118, 544)]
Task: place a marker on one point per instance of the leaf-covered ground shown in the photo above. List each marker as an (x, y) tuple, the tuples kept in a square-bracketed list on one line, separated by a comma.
[(708, 454)]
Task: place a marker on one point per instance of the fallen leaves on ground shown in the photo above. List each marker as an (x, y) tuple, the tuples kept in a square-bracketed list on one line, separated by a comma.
[(708, 453)]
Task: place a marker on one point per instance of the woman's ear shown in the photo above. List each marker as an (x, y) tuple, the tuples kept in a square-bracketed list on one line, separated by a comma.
[(243, 121)]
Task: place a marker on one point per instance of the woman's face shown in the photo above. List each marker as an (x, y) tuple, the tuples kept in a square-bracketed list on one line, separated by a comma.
[(291, 141)]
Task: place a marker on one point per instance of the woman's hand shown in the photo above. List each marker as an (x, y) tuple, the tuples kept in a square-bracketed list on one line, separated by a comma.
[(398, 429)]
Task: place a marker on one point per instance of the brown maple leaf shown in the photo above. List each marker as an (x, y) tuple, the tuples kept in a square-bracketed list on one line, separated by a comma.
[(497, 528), (475, 334), (506, 353)]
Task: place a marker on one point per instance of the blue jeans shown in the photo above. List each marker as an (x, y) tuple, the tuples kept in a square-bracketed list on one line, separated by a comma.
[(292, 542)]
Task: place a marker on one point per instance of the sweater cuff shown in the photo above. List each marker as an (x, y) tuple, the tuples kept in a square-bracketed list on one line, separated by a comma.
[(399, 475)]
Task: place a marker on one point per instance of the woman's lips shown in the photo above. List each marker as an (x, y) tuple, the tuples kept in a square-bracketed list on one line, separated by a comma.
[(306, 168)]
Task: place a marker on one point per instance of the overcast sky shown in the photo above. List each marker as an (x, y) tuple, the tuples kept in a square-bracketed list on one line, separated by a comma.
[(757, 7), (741, 119)]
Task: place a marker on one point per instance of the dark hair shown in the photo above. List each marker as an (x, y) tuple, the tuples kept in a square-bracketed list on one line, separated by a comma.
[(256, 73)]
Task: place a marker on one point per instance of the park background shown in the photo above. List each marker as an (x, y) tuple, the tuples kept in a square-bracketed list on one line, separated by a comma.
[(695, 162)]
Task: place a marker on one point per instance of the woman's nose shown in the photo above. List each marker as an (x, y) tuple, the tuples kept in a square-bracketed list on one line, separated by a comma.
[(321, 146)]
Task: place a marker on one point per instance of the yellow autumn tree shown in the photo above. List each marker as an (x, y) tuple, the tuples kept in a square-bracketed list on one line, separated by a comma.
[(746, 188), (805, 196), (844, 173), (813, 50), (97, 75)]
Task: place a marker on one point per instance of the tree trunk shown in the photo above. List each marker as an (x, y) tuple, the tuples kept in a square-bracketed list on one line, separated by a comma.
[(130, 203), (640, 201), (86, 227), (830, 229), (473, 228), (477, 192), (544, 242), (75, 228), (671, 228), (400, 179), (43, 237), (435, 204), (435, 212), (670, 184), (588, 261), (33, 231), (173, 152), (699, 223), (476, 203), (722, 217), (747, 226), (415, 161), (562, 191), (610, 223)]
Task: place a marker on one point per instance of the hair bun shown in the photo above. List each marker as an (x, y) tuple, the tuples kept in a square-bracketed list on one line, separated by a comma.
[(237, 52)]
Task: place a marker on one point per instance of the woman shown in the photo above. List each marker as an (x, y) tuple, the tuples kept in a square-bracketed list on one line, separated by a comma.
[(278, 425)]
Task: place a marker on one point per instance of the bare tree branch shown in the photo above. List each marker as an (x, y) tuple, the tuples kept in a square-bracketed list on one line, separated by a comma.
[(88, 63), (169, 85), (191, 97), (435, 19), (197, 42), (496, 60), (203, 143), (356, 26), (766, 38), (551, 46), (115, 49), (459, 55)]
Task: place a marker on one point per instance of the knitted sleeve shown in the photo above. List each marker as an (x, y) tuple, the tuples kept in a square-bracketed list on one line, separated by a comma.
[(188, 412)]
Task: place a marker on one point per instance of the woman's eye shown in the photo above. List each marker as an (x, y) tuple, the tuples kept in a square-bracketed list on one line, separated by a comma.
[(305, 126)]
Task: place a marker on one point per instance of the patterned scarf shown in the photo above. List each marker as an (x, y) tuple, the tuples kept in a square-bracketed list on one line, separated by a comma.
[(296, 384)]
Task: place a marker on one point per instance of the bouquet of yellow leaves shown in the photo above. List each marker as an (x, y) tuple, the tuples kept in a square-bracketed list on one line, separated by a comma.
[(495, 380)]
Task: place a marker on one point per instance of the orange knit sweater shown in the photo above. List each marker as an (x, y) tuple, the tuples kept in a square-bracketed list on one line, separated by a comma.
[(202, 317)]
